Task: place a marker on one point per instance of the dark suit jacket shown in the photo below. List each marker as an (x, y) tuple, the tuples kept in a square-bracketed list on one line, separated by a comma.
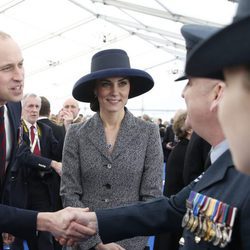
[(29, 165), (221, 181), (16, 221), (58, 131), (14, 115)]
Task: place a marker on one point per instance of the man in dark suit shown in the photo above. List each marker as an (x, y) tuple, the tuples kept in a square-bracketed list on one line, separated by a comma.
[(19, 222), (40, 169), (44, 115), (206, 203)]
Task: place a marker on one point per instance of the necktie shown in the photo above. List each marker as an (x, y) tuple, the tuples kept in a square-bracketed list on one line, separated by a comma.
[(35, 147), (2, 145)]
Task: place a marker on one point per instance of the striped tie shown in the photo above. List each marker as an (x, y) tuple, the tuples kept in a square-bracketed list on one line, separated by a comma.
[(36, 149), (2, 145)]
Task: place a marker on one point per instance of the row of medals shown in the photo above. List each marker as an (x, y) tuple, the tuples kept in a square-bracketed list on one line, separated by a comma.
[(209, 219)]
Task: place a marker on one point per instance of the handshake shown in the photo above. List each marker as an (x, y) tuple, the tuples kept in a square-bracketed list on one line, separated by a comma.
[(69, 225)]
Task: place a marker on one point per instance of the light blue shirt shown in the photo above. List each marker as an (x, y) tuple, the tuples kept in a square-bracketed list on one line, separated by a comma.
[(218, 150)]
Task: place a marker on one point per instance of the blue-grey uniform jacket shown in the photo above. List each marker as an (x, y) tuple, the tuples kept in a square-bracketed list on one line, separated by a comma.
[(221, 182)]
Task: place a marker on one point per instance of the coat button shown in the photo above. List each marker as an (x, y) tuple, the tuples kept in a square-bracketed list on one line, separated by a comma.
[(108, 186), (106, 200), (109, 166)]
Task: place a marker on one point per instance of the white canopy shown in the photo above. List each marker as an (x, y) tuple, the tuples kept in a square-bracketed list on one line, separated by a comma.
[(59, 37)]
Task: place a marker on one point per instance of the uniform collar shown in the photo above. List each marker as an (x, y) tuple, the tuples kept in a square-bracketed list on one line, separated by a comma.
[(218, 150)]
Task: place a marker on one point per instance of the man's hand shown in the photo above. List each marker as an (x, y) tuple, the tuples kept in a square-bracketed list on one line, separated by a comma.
[(57, 166), (170, 145), (87, 219), (8, 238), (69, 225), (68, 118)]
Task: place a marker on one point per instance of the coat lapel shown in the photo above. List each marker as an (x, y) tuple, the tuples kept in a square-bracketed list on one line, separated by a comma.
[(126, 134), (95, 134), (215, 172), (128, 131)]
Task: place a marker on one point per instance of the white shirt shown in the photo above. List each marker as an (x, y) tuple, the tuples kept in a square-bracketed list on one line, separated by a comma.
[(9, 137)]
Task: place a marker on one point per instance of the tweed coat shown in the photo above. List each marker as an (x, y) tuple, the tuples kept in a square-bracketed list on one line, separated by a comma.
[(94, 178), (220, 181)]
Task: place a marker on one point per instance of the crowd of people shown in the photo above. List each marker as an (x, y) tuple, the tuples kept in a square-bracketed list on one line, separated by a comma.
[(97, 183)]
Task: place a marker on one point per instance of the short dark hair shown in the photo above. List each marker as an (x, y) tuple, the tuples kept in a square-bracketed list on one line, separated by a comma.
[(45, 107)]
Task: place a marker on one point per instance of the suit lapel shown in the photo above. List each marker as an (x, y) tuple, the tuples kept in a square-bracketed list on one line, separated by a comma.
[(42, 139), (215, 172), (14, 115)]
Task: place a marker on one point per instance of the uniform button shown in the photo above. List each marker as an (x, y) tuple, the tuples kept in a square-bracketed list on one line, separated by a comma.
[(106, 200), (108, 186), (109, 166)]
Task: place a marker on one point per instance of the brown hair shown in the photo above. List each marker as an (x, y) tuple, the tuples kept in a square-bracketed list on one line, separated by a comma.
[(94, 105), (179, 127), (45, 107)]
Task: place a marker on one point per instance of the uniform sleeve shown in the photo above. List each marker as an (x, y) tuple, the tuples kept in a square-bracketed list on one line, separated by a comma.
[(142, 219)]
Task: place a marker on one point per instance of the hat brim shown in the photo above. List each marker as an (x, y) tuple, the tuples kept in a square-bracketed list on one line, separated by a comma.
[(140, 82), (228, 47), (181, 78)]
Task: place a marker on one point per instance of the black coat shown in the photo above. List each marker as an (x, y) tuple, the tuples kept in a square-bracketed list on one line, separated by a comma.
[(168, 137), (58, 131), (174, 169), (195, 159)]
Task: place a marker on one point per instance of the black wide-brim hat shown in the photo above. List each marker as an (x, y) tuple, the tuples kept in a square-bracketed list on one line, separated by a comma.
[(194, 34), (228, 47), (111, 63)]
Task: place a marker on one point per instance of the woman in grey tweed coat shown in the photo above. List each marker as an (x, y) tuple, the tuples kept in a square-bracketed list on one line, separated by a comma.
[(114, 158)]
